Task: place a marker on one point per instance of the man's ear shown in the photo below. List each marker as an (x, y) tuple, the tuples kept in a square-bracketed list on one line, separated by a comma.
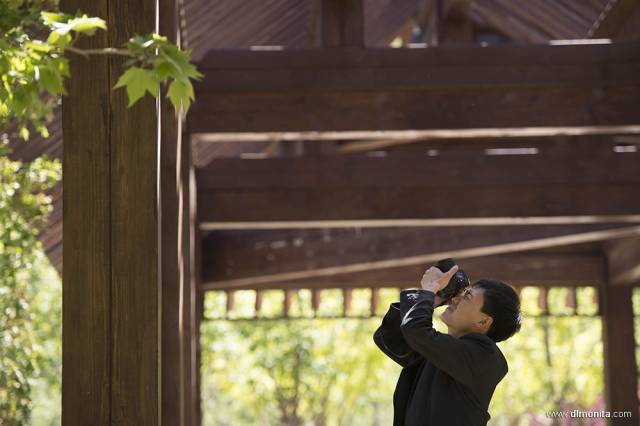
[(486, 322)]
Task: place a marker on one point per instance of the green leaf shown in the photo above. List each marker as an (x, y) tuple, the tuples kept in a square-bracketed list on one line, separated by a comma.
[(59, 39), (180, 94), (86, 25), (137, 81), (51, 81), (50, 18)]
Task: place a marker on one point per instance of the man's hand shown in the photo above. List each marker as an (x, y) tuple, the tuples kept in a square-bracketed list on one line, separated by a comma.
[(435, 280)]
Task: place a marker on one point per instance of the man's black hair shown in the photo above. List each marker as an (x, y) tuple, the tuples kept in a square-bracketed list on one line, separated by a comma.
[(502, 303)]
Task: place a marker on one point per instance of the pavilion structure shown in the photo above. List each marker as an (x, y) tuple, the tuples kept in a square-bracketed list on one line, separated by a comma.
[(504, 134)]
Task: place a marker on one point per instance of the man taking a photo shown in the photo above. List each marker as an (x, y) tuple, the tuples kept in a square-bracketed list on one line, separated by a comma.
[(448, 379)]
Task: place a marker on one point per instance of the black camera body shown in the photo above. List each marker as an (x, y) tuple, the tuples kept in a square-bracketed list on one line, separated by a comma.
[(458, 281)]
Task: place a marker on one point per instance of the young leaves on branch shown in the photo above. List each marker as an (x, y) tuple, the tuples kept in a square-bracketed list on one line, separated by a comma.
[(34, 65)]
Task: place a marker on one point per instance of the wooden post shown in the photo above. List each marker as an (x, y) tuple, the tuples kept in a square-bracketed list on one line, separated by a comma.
[(375, 298), (316, 294), (111, 231), (195, 309), (174, 186), (620, 368)]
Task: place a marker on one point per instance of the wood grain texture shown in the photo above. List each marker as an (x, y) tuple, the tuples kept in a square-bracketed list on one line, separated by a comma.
[(135, 248), (231, 255), (111, 306), (358, 188), (435, 88), (620, 368), (86, 315)]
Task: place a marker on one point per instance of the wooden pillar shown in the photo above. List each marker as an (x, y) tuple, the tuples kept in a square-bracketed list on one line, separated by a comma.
[(620, 369), (111, 232), (198, 304)]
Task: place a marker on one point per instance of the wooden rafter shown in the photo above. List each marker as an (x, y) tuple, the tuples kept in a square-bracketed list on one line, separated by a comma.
[(434, 88), (426, 259), (362, 189)]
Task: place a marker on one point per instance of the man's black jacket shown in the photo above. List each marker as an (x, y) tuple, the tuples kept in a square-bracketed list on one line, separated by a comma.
[(445, 380)]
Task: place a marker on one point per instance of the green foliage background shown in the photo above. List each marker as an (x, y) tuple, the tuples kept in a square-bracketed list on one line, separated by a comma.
[(29, 338)]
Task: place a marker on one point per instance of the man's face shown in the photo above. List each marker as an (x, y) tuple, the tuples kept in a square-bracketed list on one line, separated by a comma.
[(463, 315)]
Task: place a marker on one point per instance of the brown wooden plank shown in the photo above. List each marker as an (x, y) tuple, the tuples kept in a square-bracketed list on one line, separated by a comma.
[(347, 294), (135, 244), (620, 368), (624, 261), (405, 203), (503, 56), (520, 269), (490, 87), (375, 299), (316, 295), (415, 109), (399, 188), (419, 171), (232, 254), (86, 306)]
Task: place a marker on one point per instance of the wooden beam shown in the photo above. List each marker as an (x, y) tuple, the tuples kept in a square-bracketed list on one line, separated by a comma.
[(411, 136), (435, 88), (351, 188), (342, 23), (518, 269), (111, 350), (414, 223), (233, 255), (624, 261), (620, 368), (612, 18), (425, 259)]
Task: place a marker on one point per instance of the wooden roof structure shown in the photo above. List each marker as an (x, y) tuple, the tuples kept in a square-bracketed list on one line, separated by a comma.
[(315, 156)]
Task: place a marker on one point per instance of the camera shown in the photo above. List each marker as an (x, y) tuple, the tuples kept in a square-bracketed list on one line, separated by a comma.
[(458, 281)]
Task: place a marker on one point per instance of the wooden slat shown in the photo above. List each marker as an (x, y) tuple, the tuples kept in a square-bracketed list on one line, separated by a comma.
[(347, 294), (316, 295), (572, 301), (230, 301), (375, 299), (466, 88), (288, 296), (542, 300), (258, 303)]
